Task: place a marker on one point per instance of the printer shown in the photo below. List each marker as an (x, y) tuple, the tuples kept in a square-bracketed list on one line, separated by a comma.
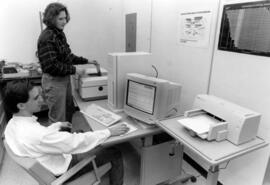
[(214, 118), (93, 85), (13, 71)]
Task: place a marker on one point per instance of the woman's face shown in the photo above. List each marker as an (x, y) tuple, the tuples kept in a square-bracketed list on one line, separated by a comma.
[(61, 20)]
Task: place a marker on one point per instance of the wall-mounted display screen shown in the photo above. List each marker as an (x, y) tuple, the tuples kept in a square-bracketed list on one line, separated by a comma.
[(245, 28)]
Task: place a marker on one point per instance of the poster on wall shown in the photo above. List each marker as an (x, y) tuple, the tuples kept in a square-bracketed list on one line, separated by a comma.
[(194, 28)]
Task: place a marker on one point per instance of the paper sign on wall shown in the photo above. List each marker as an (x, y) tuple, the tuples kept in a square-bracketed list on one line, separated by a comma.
[(194, 28)]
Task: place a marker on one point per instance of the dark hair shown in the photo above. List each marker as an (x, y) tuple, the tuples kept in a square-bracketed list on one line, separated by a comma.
[(52, 11), (16, 91)]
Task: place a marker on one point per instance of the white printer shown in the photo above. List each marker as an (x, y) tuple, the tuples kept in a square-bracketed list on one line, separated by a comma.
[(93, 85), (216, 119), (14, 71)]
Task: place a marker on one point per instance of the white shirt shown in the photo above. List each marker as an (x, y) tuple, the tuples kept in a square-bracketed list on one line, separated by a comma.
[(50, 147)]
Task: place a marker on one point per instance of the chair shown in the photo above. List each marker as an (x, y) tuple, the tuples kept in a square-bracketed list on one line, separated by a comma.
[(45, 177)]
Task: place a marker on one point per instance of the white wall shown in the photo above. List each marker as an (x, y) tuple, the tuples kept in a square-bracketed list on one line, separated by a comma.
[(94, 29), (189, 66), (244, 79), (20, 27)]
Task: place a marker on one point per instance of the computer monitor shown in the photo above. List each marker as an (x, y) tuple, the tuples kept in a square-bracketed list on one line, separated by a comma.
[(149, 99)]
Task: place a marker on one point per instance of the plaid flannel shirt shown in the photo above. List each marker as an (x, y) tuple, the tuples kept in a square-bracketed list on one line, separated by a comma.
[(54, 54)]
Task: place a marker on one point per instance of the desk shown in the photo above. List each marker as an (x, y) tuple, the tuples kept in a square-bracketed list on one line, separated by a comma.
[(157, 163), (212, 153)]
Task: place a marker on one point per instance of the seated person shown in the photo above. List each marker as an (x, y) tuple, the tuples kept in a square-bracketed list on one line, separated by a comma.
[(53, 146)]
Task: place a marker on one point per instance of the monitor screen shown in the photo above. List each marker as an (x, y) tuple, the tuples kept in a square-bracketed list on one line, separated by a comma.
[(141, 96), (245, 28), (148, 99)]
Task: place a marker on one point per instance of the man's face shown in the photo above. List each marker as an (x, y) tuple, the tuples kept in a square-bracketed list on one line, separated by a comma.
[(61, 20), (35, 101)]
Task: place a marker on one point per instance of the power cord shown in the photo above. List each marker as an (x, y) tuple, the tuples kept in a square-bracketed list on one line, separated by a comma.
[(192, 178), (191, 174), (154, 67), (171, 112), (225, 166)]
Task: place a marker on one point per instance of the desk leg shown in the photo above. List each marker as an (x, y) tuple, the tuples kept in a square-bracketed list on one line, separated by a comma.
[(212, 176), (147, 141)]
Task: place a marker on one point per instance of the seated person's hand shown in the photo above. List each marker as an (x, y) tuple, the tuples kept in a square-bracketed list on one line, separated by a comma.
[(79, 131), (65, 126), (118, 129)]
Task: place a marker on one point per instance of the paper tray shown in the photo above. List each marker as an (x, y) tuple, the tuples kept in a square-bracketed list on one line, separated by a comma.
[(199, 124)]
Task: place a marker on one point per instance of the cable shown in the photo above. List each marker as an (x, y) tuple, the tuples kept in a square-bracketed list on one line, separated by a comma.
[(154, 67), (197, 176), (190, 177), (225, 166), (170, 113)]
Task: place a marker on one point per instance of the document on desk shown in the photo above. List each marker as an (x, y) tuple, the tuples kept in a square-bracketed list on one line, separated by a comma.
[(199, 124)]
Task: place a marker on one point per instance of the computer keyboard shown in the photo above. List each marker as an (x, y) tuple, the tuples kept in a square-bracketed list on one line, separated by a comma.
[(101, 115)]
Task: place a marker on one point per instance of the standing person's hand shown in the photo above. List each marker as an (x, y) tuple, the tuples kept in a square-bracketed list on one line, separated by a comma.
[(92, 62), (118, 129)]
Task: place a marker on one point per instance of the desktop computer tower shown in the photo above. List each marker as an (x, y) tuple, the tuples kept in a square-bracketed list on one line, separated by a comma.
[(119, 64)]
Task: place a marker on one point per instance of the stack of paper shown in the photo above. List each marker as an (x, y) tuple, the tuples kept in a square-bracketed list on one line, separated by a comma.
[(199, 124)]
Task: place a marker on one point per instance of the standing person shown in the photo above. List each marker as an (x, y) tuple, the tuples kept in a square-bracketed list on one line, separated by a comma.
[(53, 146), (57, 63)]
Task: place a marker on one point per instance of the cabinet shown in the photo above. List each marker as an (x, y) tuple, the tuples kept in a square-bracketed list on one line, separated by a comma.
[(2, 126)]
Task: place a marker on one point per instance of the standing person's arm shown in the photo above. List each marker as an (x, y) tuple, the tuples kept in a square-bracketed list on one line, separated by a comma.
[(78, 60)]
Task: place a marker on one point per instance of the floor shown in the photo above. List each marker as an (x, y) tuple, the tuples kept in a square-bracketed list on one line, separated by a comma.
[(12, 174)]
